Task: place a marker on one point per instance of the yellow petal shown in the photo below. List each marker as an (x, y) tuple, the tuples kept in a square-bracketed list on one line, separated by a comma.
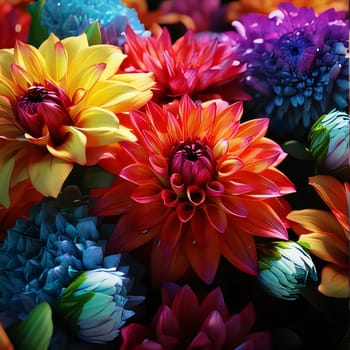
[(117, 97), (74, 45), (101, 127), (85, 80), (6, 59), (31, 60), (5, 178), (48, 174), (73, 148), (140, 81), (21, 77), (6, 108), (56, 57), (110, 55), (334, 282)]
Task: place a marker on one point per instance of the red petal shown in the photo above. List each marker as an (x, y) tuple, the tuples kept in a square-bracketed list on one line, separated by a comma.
[(137, 173), (133, 334), (147, 193), (185, 306), (185, 212), (239, 326), (167, 267), (214, 327), (167, 328), (203, 247), (214, 301), (239, 249), (137, 227), (201, 341), (262, 221), (216, 217)]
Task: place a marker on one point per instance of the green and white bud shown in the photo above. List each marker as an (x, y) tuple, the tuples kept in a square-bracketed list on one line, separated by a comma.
[(329, 143), (284, 268), (94, 304)]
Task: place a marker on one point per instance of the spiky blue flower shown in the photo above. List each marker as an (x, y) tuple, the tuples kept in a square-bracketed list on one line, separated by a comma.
[(71, 17), (284, 269), (42, 255), (297, 65)]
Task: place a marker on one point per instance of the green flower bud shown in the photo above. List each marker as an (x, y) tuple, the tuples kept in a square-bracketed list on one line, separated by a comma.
[(94, 304), (329, 142), (284, 268)]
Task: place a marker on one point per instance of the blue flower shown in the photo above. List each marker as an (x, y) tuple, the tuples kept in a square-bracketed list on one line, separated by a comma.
[(297, 65), (70, 18), (284, 269), (95, 303), (42, 255)]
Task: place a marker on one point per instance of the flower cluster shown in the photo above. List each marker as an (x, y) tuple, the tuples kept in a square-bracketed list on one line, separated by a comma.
[(297, 65), (203, 166), (41, 257)]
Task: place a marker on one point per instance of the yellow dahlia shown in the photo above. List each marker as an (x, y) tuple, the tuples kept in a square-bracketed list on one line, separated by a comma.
[(58, 107)]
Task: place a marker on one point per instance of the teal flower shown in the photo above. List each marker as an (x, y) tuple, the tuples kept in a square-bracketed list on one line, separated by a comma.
[(330, 143), (72, 17), (42, 255), (284, 268), (94, 304)]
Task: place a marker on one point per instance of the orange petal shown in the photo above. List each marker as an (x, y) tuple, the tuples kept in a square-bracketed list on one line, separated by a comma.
[(313, 220), (334, 282), (327, 246), (331, 191)]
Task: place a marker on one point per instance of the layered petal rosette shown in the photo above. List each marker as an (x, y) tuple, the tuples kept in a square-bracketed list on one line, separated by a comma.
[(73, 17), (58, 108), (297, 65), (201, 67), (183, 322), (285, 268), (198, 184), (327, 233), (329, 143)]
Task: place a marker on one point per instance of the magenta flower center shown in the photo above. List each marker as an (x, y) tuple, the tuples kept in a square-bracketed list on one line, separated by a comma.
[(43, 106), (194, 162)]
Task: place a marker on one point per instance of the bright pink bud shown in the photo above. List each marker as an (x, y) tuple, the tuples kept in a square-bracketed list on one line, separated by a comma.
[(195, 163), (41, 106)]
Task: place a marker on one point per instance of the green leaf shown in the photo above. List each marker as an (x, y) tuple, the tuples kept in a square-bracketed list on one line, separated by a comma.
[(96, 177), (35, 331), (297, 150), (93, 33), (37, 32)]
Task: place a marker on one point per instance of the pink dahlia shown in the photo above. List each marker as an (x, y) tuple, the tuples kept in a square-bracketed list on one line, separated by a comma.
[(201, 67), (198, 184), (182, 322)]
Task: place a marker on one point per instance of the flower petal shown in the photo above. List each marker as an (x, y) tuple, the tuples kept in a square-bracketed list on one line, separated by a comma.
[(48, 174), (334, 282)]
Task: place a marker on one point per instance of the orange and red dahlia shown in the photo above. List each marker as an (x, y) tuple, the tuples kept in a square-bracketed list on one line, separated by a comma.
[(198, 184), (200, 67), (327, 234)]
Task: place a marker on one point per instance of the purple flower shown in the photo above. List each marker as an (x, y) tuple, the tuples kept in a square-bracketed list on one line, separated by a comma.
[(297, 65)]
